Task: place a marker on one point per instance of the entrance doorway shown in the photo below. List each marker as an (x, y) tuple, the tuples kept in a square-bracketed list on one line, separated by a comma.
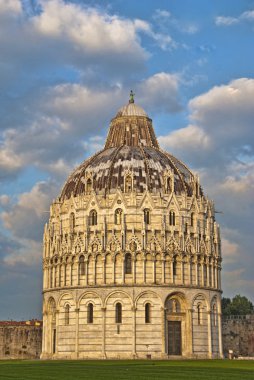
[(174, 338)]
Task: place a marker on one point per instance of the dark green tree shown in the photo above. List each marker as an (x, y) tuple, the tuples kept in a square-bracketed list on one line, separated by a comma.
[(239, 305)]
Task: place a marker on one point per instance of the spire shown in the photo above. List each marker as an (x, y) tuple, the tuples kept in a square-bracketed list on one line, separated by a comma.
[(131, 100)]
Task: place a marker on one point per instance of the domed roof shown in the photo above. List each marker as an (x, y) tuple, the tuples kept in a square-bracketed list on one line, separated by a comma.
[(131, 109), (132, 150)]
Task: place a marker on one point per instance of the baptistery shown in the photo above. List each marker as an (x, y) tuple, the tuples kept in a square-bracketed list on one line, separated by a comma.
[(132, 256)]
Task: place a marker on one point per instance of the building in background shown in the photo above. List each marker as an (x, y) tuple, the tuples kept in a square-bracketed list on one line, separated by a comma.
[(132, 257), (20, 339)]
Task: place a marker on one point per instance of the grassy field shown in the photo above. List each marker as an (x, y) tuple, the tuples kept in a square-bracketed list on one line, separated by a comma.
[(123, 369)]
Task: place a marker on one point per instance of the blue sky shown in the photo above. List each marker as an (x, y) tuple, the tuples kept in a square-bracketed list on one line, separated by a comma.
[(65, 69)]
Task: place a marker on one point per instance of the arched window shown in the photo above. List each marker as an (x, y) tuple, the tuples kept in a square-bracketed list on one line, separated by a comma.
[(147, 216), (128, 264), (199, 311), (88, 186), (72, 221), (90, 313), (128, 184), (172, 218), (168, 189), (174, 267), (118, 316), (67, 315), (148, 313), (118, 216), (214, 315), (93, 218), (192, 219), (81, 265)]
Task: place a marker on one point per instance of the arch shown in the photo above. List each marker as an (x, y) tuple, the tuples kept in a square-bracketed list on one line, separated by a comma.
[(64, 295), (128, 263), (118, 216), (93, 218), (51, 305), (90, 295), (200, 296), (117, 294), (147, 219), (179, 304), (118, 312), (147, 294)]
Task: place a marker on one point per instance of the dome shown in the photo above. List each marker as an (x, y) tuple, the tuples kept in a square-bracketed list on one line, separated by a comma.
[(131, 149), (131, 109)]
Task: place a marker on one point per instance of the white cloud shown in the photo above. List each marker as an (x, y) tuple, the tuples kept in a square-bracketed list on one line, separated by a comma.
[(10, 6), (160, 93), (226, 21), (229, 21), (29, 253), (26, 218)]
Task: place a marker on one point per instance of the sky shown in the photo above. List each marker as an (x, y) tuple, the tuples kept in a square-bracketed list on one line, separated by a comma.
[(67, 66)]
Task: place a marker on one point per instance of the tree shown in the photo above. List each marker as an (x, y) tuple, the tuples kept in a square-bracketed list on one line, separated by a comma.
[(239, 305)]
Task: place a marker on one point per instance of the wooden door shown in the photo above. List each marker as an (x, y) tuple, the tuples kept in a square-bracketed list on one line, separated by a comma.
[(174, 338)]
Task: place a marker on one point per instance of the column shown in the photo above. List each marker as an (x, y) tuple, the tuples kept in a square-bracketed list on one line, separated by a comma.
[(182, 273), (209, 331), (134, 332), (103, 270), (190, 274), (220, 336), (172, 271), (154, 270), (94, 271), (190, 333), (86, 271), (163, 331), (144, 270), (77, 334), (56, 327), (163, 270), (202, 274), (196, 268), (123, 271), (113, 268), (103, 309), (216, 277), (212, 279), (134, 269)]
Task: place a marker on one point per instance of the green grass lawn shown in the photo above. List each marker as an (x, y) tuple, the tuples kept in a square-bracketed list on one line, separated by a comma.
[(124, 369)]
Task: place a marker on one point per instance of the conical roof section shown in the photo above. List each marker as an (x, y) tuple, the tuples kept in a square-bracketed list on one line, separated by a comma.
[(132, 127)]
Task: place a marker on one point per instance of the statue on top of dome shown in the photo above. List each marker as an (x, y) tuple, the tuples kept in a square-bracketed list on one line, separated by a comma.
[(131, 100)]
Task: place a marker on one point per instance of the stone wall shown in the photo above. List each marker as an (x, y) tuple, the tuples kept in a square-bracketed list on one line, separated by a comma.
[(20, 340), (238, 335)]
